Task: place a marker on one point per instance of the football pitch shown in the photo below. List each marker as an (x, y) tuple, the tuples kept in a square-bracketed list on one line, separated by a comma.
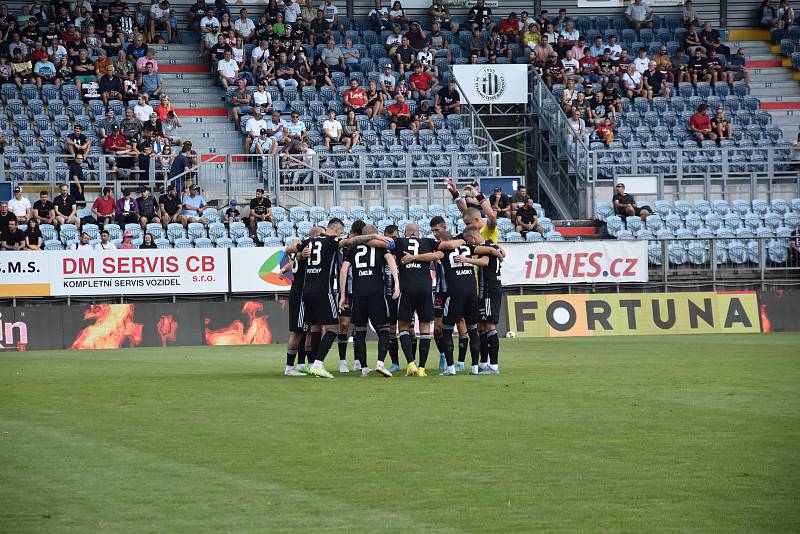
[(613, 434)]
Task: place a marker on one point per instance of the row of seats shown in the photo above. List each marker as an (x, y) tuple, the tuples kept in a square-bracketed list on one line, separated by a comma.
[(703, 207)]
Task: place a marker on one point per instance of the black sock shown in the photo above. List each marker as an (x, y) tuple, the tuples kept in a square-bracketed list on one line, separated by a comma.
[(424, 348), (463, 343), (316, 339), (360, 346), (394, 352), (290, 356), (474, 344), (414, 342), (439, 340), (384, 344), (447, 344), (301, 349), (405, 344), (341, 339), (484, 347), (325, 345), (494, 346)]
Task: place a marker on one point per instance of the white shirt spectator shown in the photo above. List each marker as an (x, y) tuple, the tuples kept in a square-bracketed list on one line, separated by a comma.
[(631, 82), (308, 156), (426, 58), (244, 27), (79, 246), (394, 40), (276, 128), (262, 97), (616, 51), (641, 64), (332, 128), (387, 79), (331, 11), (291, 12), (551, 37), (105, 246), (143, 112), (384, 12), (56, 53), (296, 128), (637, 13), (157, 12), (253, 126), (228, 68), (19, 207), (259, 54), (571, 66), (574, 35), (208, 22), (266, 144)]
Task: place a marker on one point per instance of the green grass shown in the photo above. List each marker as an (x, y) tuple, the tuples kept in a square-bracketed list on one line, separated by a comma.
[(659, 434)]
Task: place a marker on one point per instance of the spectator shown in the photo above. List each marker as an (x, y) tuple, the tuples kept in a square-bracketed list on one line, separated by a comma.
[(333, 56), (105, 242), (736, 65), (355, 98), (82, 243), (603, 132), (33, 236), (448, 100), (253, 127), (479, 16), (130, 126), (127, 241), (130, 87), (439, 42), (242, 101), (691, 40), (553, 71), (76, 180), (397, 15), (305, 163), (148, 208), (321, 74), (148, 242), (378, 17), (320, 28), (767, 15), (352, 131), (232, 214), (500, 203), (654, 83), (795, 246), (625, 205), (440, 15), (193, 207), (160, 20), (393, 41), (127, 209), (639, 15), (284, 72), (228, 70), (716, 69), (5, 216), (527, 219), (421, 83), (116, 146), (571, 67), (46, 73), (170, 205), (295, 130), (333, 131), (111, 87), (518, 200), (570, 34), (700, 125), (142, 109), (264, 144), (423, 118), (104, 207), (689, 15), (352, 56), (399, 114), (105, 126), (331, 13), (101, 64), (20, 206), (262, 99), (260, 210), (43, 210), (77, 142), (477, 46), (244, 27), (65, 208), (577, 128), (151, 81), (632, 83), (785, 15), (22, 68), (170, 126), (12, 238), (374, 101), (720, 125), (404, 56), (181, 165)]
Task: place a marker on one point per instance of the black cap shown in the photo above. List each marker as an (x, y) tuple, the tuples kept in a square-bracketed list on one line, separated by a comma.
[(259, 190), (17, 189), (171, 187), (104, 231), (194, 187)]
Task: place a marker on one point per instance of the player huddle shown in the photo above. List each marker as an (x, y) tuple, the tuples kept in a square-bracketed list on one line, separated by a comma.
[(386, 281)]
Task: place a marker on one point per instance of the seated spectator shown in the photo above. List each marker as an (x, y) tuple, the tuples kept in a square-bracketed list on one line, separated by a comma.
[(65, 208), (603, 132), (22, 69), (393, 41), (278, 127), (127, 241), (321, 74), (232, 213), (654, 82), (404, 56), (625, 205), (577, 128), (5, 216), (102, 63), (228, 70), (111, 86), (305, 163), (20, 206), (767, 15), (242, 101), (423, 119), (438, 42), (127, 209), (45, 72), (639, 15), (692, 41), (244, 27), (397, 15), (374, 100), (352, 56), (736, 66), (260, 210), (689, 15), (716, 69), (355, 98), (441, 16), (785, 15), (142, 109), (82, 243), (105, 242), (320, 29), (378, 18), (448, 100), (527, 219), (151, 82), (633, 85), (170, 205), (83, 69), (148, 208), (33, 236), (700, 125), (352, 131), (421, 84), (264, 144), (170, 126), (332, 131), (285, 71), (500, 203), (120, 152), (104, 206), (479, 16), (43, 210), (476, 44), (160, 21), (295, 130), (553, 71), (130, 88), (148, 242), (193, 207), (518, 199), (12, 238), (262, 99), (105, 126), (720, 125), (571, 67), (399, 114)]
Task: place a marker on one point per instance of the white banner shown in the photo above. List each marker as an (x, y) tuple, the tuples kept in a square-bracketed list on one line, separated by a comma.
[(492, 84), (567, 262), (114, 272), (259, 270)]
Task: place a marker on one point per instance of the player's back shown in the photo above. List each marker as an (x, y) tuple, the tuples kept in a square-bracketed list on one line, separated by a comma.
[(490, 275), (367, 268), (459, 277), (414, 275), (322, 264)]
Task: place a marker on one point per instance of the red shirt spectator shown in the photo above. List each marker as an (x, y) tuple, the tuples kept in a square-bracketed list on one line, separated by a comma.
[(355, 97), (114, 142), (700, 121), (510, 24), (38, 55), (399, 109), (420, 80), (104, 206)]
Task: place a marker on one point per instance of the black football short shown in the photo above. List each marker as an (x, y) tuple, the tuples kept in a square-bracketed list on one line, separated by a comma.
[(348, 307), (461, 305), (370, 309), (491, 304), (438, 305), (295, 303), (319, 310), (419, 302)]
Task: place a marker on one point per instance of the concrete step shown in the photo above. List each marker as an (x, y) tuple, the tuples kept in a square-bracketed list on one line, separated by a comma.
[(786, 86), (765, 96)]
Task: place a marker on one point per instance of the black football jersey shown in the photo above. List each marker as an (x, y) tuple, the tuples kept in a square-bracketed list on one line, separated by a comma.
[(322, 266), (298, 274), (367, 266), (416, 275), (459, 277), (490, 275)]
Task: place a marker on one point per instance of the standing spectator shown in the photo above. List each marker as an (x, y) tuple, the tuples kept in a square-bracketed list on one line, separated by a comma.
[(625, 205), (76, 181), (148, 208), (170, 204), (448, 100), (12, 238), (105, 242), (639, 15), (260, 210), (65, 208), (193, 207), (181, 165), (127, 209), (20, 206), (700, 125), (527, 219), (33, 236), (43, 210), (104, 207), (500, 203)]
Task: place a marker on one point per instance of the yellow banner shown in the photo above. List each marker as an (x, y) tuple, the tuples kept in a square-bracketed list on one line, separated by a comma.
[(633, 314)]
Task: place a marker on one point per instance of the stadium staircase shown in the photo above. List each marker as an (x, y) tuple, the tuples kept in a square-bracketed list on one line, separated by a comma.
[(772, 80)]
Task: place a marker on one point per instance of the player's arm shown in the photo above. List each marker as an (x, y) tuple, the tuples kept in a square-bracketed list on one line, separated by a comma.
[(296, 248), (450, 245), (393, 268), (481, 261), (486, 207), (343, 283), (422, 258), (288, 267), (363, 239), (482, 250)]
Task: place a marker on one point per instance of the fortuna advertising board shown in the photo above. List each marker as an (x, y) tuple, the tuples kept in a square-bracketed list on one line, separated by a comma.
[(492, 84)]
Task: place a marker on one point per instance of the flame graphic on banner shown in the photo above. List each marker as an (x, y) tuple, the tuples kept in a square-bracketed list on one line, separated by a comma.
[(167, 327), (258, 332), (113, 325), (270, 270)]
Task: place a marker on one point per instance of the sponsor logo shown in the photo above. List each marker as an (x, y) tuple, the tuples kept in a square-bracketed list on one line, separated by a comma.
[(270, 270), (490, 83)]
